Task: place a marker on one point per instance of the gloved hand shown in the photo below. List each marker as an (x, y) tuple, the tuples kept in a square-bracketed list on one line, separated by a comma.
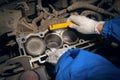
[(84, 25)]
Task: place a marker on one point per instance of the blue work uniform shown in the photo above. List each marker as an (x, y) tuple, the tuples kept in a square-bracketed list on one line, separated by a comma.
[(78, 64)]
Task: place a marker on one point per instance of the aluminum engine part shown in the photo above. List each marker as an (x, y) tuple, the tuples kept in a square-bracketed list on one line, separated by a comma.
[(69, 37), (15, 65), (79, 5), (39, 47), (29, 21), (53, 41), (34, 46), (9, 23), (92, 15)]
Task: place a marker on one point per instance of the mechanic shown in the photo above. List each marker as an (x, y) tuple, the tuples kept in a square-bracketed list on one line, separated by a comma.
[(78, 64)]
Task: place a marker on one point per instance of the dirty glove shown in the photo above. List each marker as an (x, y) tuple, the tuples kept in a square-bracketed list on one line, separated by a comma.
[(84, 25)]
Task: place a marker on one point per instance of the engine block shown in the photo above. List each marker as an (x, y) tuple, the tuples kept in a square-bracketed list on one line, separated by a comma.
[(26, 43)]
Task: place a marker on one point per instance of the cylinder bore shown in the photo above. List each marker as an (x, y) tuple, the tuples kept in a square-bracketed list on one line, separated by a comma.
[(69, 37), (35, 46), (53, 41)]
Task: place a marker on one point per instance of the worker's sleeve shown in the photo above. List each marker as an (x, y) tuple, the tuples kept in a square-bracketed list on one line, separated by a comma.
[(78, 64), (111, 29)]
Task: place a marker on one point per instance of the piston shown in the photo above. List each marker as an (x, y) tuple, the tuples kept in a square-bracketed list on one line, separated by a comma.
[(35, 46)]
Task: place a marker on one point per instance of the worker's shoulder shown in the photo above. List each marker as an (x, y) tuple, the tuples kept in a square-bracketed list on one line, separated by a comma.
[(86, 60)]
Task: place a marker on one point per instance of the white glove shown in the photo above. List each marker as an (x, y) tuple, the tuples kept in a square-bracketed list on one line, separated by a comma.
[(84, 25)]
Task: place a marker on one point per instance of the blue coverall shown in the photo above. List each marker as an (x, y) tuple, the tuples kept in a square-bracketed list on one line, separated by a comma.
[(78, 64)]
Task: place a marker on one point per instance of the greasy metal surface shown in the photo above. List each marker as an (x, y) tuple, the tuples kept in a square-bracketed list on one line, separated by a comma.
[(69, 37), (9, 20), (34, 44), (92, 15), (53, 41)]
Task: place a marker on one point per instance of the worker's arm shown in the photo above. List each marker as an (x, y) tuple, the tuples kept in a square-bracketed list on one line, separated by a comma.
[(109, 29), (78, 64)]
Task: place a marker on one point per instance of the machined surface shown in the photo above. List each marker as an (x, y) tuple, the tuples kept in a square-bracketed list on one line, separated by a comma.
[(53, 41), (69, 37), (34, 46), (27, 44)]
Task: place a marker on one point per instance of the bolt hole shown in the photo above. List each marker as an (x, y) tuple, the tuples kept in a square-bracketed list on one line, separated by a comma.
[(65, 46), (81, 41), (41, 35), (23, 39)]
